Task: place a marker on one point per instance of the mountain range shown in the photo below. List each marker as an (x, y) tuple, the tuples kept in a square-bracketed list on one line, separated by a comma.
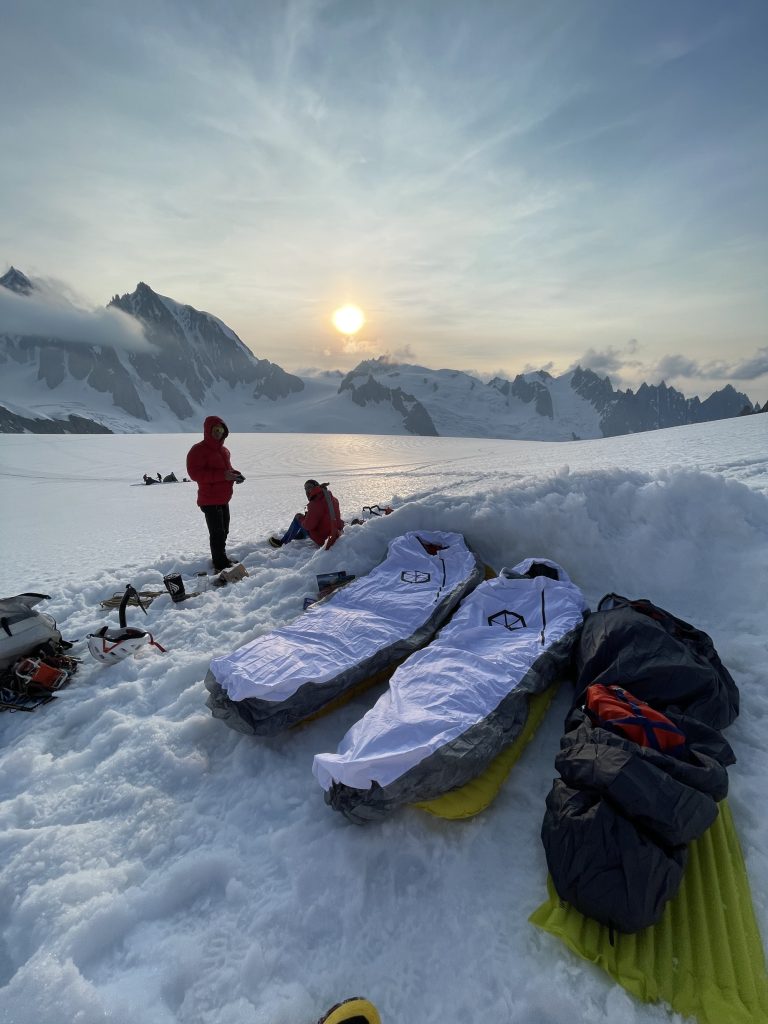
[(190, 364)]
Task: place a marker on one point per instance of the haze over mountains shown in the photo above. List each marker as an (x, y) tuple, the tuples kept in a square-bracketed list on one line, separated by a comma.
[(164, 366)]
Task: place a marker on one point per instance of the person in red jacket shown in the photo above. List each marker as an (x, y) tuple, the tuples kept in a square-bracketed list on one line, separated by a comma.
[(209, 466), (322, 521)]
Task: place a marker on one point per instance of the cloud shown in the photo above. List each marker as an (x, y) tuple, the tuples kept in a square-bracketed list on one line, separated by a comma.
[(746, 369), (347, 350), (671, 45), (750, 369), (404, 352), (355, 345), (678, 366), (48, 314), (627, 371), (610, 360), (530, 368)]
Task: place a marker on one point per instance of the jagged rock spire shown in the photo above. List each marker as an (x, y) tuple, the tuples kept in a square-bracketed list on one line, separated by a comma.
[(17, 282)]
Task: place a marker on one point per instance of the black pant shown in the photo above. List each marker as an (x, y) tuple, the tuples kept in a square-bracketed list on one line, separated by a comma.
[(217, 520)]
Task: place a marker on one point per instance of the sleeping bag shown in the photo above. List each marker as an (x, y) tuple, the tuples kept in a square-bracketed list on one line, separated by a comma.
[(286, 676), (658, 657), (453, 707), (640, 780)]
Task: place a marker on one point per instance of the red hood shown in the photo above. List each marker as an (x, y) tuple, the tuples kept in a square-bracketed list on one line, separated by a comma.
[(315, 492), (209, 424)]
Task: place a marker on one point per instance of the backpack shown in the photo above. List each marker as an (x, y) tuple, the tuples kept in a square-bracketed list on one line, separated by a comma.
[(617, 710), (22, 629)]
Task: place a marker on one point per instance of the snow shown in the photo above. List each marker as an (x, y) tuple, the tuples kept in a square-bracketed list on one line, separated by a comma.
[(317, 408), (157, 866), (182, 313), (460, 405)]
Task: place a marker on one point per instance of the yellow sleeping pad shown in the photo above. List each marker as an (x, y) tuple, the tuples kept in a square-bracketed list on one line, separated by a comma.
[(704, 958), (469, 800)]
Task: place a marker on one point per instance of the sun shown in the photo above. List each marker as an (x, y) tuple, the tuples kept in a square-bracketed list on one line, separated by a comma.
[(348, 320)]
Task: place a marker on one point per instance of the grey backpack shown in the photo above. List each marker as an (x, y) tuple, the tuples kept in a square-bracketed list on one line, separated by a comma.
[(22, 629)]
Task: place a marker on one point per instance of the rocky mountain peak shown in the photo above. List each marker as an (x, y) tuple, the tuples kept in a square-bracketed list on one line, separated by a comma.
[(193, 357), (17, 282), (594, 389), (143, 303)]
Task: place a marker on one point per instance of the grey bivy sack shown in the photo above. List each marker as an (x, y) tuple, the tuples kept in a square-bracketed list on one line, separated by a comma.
[(342, 641), (22, 629)]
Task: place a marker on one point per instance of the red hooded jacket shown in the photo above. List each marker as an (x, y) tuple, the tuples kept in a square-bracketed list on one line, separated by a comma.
[(323, 516), (207, 462)]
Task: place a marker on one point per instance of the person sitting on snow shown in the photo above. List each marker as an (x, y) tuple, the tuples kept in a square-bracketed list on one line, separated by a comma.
[(322, 521)]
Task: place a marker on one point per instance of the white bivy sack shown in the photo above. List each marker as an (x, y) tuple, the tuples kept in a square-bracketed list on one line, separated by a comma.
[(453, 707), (285, 676)]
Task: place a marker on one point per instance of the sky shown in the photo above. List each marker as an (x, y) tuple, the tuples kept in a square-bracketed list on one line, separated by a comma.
[(156, 865), (499, 186)]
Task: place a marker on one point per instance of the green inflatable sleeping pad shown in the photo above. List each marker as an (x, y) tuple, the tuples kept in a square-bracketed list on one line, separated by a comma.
[(704, 958)]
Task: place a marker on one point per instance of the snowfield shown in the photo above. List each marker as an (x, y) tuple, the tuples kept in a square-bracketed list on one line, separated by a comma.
[(156, 866)]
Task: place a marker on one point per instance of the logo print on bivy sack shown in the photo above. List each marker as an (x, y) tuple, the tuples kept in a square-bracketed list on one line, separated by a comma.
[(509, 620), (415, 576)]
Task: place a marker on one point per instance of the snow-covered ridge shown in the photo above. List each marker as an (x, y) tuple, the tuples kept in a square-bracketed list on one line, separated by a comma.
[(190, 363), (535, 406)]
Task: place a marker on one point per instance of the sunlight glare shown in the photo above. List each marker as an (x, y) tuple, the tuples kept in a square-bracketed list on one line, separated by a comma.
[(348, 320)]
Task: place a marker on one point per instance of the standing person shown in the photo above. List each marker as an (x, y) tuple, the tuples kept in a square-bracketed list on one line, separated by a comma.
[(322, 521), (209, 466)]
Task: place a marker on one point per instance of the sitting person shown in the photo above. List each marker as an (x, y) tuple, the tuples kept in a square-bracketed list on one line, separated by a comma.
[(322, 521)]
